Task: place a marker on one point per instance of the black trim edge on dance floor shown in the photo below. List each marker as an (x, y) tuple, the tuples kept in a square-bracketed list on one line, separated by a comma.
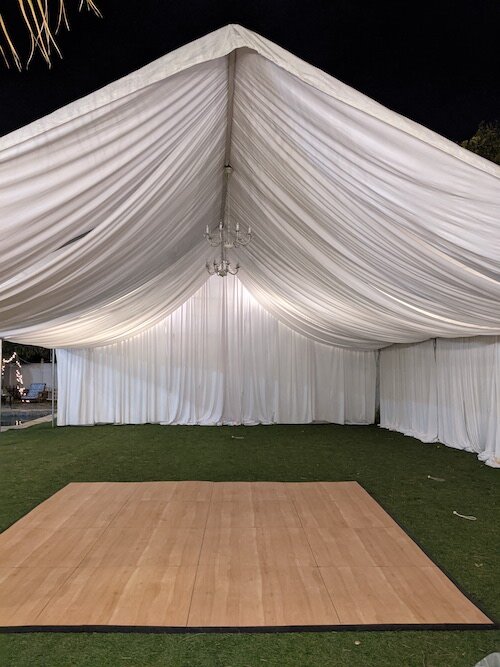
[(155, 629)]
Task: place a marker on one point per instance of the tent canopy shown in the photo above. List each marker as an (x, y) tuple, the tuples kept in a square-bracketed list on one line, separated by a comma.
[(369, 229)]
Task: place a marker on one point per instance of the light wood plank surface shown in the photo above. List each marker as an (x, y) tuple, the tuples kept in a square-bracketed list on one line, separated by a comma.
[(225, 595), (39, 547), (123, 596), (357, 507), (24, 592), (393, 595), (227, 554)]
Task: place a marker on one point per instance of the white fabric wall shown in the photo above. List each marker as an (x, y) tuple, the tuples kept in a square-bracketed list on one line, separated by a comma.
[(408, 390), (450, 393), (218, 359), (468, 382)]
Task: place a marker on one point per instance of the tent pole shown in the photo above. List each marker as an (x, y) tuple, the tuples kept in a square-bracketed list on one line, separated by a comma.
[(231, 67), (52, 358)]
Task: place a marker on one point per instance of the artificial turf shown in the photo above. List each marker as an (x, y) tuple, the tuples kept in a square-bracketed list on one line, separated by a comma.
[(36, 462)]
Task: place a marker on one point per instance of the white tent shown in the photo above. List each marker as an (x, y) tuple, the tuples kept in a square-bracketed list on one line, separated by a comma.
[(369, 229)]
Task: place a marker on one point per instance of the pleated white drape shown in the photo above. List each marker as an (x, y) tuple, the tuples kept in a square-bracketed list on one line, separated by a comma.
[(450, 393), (468, 383), (408, 390), (218, 359)]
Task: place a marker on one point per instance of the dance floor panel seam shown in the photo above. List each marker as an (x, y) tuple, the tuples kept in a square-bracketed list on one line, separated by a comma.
[(219, 555)]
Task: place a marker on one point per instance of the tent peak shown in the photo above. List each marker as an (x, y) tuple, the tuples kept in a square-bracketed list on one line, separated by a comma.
[(220, 43)]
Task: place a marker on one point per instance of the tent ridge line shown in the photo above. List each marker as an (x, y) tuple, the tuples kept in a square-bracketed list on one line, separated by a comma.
[(231, 69)]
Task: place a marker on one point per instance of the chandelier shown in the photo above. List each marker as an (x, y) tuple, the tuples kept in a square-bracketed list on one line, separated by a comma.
[(226, 237)]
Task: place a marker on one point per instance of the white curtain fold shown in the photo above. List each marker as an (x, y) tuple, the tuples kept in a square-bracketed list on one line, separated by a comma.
[(218, 359), (408, 390), (468, 382), (447, 392)]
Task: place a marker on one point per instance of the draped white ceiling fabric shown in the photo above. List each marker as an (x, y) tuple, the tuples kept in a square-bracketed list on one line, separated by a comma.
[(369, 229), (218, 359)]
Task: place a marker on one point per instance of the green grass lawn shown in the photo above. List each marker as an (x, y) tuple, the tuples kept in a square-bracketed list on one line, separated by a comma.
[(36, 462)]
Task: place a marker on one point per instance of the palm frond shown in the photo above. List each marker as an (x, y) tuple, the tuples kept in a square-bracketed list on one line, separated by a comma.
[(42, 20)]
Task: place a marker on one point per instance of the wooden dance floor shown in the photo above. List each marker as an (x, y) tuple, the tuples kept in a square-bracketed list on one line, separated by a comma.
[(219, 555)]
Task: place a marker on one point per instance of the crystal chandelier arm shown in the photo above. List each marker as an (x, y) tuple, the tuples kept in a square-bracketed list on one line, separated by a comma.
[(223, 233), (213, 242), (242, 241)]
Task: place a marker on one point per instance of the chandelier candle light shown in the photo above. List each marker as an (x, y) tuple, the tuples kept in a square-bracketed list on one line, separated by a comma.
[(226, 238)]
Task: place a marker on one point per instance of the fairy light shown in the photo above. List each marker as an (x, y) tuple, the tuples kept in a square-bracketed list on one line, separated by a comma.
[(19, 376)]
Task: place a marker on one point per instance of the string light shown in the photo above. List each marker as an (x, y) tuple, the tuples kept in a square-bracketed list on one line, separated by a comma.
[(19, 376)]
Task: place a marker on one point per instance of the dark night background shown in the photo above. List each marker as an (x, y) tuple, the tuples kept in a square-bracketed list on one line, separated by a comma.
[(436, 63)]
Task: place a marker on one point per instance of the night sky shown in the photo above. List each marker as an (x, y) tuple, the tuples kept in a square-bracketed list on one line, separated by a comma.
[(437, 63)]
